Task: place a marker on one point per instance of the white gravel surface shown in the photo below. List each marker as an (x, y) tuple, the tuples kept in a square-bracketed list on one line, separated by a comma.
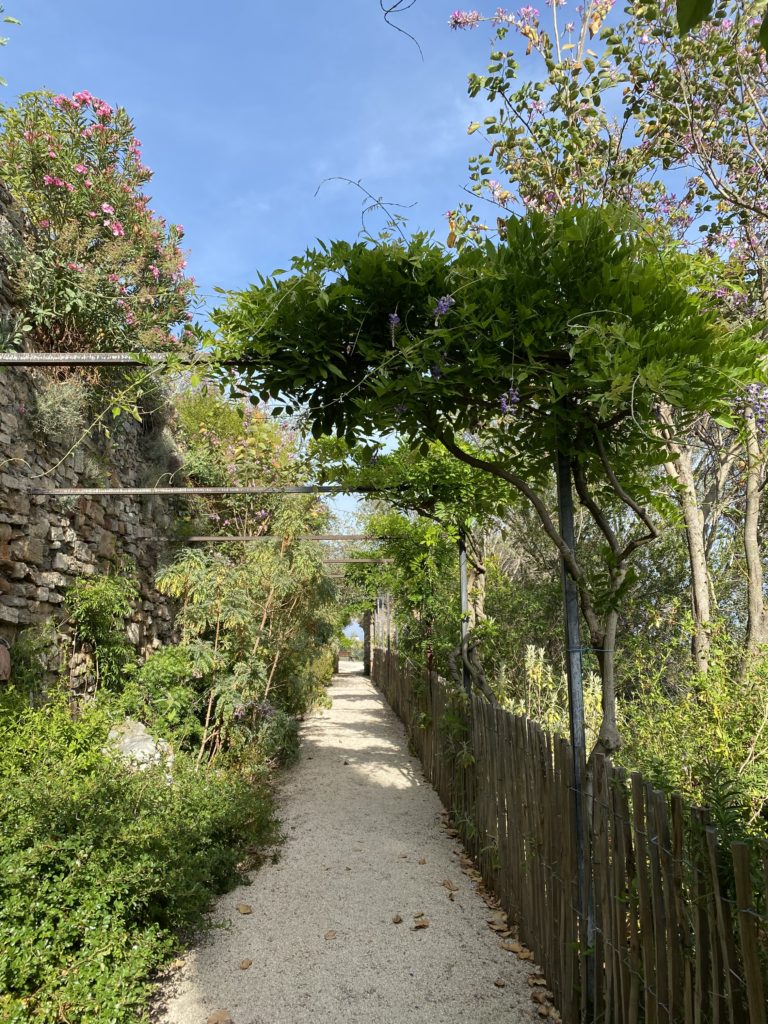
[(360, 820)]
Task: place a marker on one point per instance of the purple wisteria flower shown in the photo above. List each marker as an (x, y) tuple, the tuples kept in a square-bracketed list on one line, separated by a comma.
[(443, 305), (754, 403), (394, 320), (510, 400)]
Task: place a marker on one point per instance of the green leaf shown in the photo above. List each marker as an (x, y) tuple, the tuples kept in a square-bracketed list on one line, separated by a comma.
[(763, 33), (691, 13)]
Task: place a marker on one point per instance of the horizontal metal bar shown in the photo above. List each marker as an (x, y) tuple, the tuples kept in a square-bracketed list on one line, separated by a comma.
[(111, 359), (80, 358), (225, 538), (343, 561), (102, 492)]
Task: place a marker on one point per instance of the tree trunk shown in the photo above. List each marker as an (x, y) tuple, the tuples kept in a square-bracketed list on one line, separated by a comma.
[(608, 737), (701, 606), (756, 617), (476, 578)]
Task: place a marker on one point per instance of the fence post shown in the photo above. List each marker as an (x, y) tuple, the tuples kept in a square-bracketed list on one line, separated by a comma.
[(366, 643), (575, 695), (464, 593)]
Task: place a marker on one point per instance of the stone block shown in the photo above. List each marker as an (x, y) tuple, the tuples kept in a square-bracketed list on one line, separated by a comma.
[(8, 614), (52, 579), (106, 545), (29, 549)]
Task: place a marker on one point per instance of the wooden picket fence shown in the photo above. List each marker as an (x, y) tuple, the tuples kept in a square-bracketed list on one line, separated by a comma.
[(677, 930)]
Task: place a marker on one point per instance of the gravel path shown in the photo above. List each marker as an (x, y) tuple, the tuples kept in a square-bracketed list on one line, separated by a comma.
[(364, 846)]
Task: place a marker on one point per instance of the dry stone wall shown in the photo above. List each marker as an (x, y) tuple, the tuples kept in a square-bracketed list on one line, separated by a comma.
[(45, 543)]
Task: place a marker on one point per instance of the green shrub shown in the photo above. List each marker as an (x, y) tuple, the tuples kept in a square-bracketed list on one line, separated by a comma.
[(63, 408), (98, 607), (163, 695), (277, 738), (101, 866)]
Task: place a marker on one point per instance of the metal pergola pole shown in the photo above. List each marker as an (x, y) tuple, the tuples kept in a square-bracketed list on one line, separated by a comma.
[(574, 674), (226, 538), (348, 561), (114, 359), (464, 601), (125, 492)]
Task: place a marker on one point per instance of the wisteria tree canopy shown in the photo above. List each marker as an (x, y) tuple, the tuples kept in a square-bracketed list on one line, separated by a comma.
[(573, 323)]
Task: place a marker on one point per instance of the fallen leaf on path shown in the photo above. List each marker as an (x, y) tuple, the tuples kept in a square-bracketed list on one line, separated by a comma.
[(417, 916), (449, 885), (397, 919), (526, 954), (537, 979), (512, 947), (451, 896), (330, 934), (500, 983), (541, 996), (245, 964), (452, 832), (244, 908), (220, 1017), (422, 922), (422, 860)]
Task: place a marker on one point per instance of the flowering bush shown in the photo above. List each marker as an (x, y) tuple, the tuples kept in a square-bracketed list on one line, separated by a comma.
[(98, 269)]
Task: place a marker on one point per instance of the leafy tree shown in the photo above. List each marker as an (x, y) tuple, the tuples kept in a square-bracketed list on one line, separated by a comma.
[(462, 500), (676, 129), (564, 337)]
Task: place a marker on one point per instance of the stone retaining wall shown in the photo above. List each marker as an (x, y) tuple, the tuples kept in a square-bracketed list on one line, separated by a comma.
[(45, 543)]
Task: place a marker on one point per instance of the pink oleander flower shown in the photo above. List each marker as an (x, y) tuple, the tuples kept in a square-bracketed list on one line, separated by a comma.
[(29, 136), (101, 109), (52, 154), (154, 271), (60, 100), (465, 19), (80, 169), (88, 183), (116, 228), (83, 96), (75, 266), (44, 224), (106, 208), (93, 213)]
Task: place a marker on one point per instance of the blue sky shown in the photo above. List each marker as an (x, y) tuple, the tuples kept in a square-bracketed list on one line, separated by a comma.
[(244, 110)]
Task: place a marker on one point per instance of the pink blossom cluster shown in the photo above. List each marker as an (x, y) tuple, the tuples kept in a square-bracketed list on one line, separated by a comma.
[(83, 99), (50, 179), (465, 19)]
